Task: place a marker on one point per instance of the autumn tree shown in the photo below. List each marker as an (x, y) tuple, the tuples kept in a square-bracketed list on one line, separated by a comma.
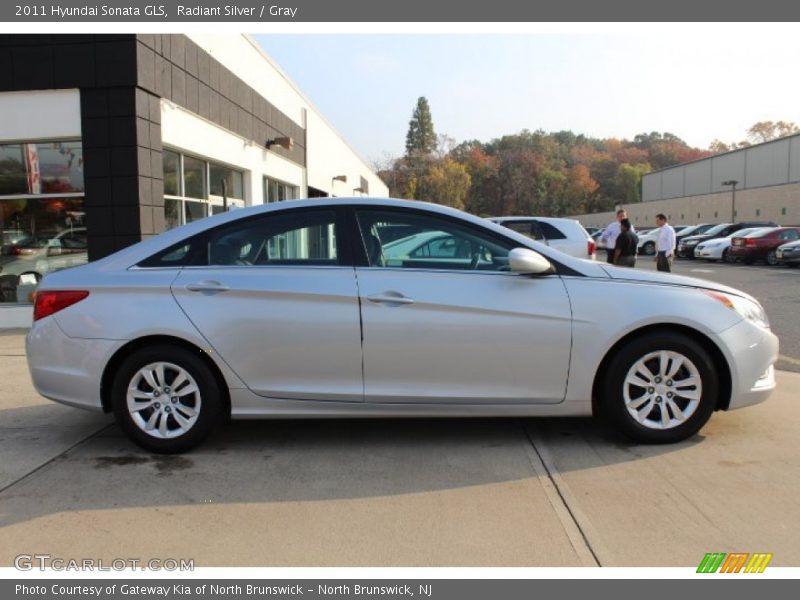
[(446, 182), (421, 139), (765, 131)]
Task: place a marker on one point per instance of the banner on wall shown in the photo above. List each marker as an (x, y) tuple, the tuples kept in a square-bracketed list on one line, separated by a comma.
[(32, 169)]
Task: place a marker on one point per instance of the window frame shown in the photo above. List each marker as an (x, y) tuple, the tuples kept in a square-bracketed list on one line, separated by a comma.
[(200, 258), (360, 252), (210, 200)]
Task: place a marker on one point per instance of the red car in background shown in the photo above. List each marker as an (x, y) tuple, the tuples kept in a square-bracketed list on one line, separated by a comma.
[(762, 245)]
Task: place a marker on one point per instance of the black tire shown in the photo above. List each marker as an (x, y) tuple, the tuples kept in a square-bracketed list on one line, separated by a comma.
[(728, 257), (649, 249), (211, 412), (612, 402), (772, 258)]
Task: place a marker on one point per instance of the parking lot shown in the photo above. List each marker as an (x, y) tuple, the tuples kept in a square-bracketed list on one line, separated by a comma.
[(488, 492)]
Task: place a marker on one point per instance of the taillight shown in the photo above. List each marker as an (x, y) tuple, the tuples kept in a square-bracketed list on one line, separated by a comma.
[(749, 242), (591, 246), (48, 302)]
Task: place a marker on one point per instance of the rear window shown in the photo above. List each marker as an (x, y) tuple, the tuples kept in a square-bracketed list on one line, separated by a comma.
[(550, 232)]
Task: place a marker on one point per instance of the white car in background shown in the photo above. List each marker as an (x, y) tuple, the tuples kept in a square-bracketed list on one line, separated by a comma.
[(565, 235), (649, 237), (717, 249)]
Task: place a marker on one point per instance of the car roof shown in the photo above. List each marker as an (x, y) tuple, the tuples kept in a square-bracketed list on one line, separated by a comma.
[(532, 217)]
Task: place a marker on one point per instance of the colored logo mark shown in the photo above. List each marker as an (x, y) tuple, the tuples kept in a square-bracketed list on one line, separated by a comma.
[(735, 562)]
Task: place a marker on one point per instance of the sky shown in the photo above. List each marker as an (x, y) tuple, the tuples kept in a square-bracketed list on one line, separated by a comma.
[(699, 83)]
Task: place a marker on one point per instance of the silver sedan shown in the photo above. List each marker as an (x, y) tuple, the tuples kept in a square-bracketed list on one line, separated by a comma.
[(386, 308)]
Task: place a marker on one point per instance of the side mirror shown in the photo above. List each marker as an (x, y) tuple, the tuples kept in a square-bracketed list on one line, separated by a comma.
[(527, 262)]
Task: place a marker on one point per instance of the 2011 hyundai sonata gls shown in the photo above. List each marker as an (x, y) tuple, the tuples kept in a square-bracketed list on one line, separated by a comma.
[(386, 308)]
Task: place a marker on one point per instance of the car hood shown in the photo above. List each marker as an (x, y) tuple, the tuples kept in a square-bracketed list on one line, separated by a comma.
[(698, 238), (655, 277)]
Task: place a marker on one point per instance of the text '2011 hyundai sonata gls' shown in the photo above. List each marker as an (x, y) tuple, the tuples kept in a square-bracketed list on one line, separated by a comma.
[(386, 308)]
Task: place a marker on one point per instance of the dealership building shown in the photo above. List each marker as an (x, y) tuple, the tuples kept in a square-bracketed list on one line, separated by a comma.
[(766, 178), (106, 140)]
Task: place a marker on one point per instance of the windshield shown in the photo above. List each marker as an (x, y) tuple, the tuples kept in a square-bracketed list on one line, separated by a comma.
[(717, 229)]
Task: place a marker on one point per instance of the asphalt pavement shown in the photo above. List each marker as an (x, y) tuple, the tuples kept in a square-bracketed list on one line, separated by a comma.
[(451, 492)]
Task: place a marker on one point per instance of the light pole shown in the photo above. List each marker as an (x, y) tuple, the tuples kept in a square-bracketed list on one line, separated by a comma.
[(732, 183)]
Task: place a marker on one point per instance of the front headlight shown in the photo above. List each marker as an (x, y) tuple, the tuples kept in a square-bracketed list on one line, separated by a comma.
[(748, 309)]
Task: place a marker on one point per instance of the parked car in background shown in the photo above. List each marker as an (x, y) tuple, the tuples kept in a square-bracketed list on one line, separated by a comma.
[(719, 248), (37, 255), (687, 245), (649, 237), (762, 245), (293, 309), (789, 254), (592, 230), (692, 230), (565, 235)]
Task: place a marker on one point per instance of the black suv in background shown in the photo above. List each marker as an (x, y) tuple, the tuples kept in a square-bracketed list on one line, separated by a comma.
[(687, 245)]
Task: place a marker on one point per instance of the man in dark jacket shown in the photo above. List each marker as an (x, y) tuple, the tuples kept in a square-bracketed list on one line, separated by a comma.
[(625, 248)]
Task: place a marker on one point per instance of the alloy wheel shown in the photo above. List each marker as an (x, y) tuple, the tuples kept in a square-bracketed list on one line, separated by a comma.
[(662, 390), (163, 400)]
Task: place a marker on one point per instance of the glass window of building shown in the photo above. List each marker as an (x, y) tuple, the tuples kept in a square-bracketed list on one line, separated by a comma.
[(42, 218), (193, 188), (278, 191), (233, 180)]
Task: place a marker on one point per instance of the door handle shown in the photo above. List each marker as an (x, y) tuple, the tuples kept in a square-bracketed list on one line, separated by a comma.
[(390, 299), (207, 286)]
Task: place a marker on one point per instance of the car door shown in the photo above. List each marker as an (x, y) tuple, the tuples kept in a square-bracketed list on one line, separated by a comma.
[(458, 328), (278, 303)]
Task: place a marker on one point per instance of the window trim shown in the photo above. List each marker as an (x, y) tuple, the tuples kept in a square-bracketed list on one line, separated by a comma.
[(343, 248), (360, 253)]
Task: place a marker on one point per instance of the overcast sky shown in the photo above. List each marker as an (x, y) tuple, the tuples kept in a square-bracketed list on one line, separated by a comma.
[(699, 84)]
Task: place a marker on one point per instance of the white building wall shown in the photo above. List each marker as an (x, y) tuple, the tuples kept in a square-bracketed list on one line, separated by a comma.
[(185, 131), (327, 153), (40, 115)]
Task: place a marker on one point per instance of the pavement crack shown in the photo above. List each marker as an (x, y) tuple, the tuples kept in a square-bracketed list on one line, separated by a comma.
[(54, 458), (575, 525)]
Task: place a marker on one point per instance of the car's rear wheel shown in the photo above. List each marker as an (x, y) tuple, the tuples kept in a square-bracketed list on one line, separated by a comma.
[(660, 388), (649, 248), (728, 257), (165, 399), (772, 258)]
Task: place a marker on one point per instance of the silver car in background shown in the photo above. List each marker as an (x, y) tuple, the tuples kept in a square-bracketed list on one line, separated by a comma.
[(386, 308)]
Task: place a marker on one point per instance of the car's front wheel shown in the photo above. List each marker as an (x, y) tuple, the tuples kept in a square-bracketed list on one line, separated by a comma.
[(649, 248), (660, 388), (165, 398)]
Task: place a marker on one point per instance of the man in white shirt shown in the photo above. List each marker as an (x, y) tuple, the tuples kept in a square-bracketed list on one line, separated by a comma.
[(611, 233), (665, 245)]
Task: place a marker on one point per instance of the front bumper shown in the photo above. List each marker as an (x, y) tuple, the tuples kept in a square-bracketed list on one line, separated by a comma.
[(707, 253), (751, 352), (792, 257), (686, 251)]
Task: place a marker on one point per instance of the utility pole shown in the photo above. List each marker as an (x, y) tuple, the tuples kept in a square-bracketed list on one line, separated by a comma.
[(733, 183)]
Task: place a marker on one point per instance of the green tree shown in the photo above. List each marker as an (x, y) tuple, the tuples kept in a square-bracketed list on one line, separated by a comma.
[(421, 138), (629, 182)]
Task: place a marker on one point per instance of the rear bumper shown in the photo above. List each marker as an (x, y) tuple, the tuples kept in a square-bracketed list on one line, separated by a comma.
[(751, 352), (67, 370), (747, 253)]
